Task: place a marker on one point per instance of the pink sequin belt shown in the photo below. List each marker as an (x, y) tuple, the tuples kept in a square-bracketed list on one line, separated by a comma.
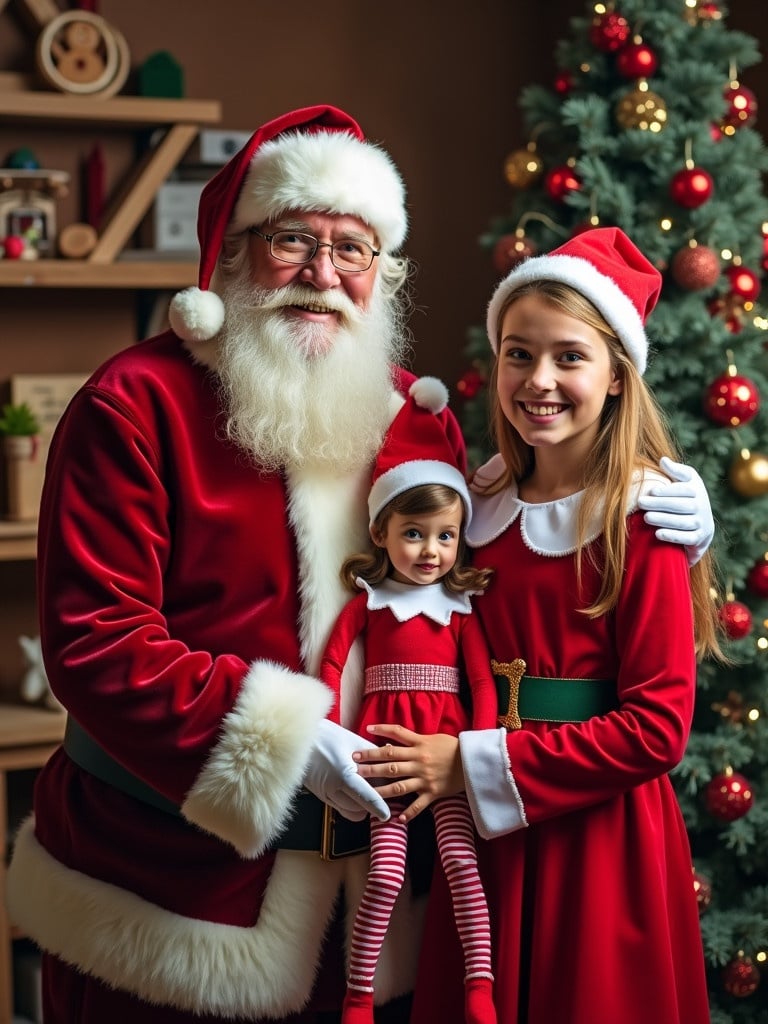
[(444, 678)]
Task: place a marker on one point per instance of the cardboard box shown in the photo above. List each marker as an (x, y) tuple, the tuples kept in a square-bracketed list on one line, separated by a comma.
[(218, 145), (176, 206)]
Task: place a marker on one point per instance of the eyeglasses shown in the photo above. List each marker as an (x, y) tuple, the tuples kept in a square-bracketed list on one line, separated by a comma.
[(348, 254)]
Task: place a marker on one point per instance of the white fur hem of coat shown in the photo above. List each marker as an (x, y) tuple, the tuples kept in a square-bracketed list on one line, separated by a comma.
[(267, 970), (245, 790)]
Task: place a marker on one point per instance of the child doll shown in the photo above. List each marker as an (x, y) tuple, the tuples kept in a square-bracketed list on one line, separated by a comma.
[(415, 617)]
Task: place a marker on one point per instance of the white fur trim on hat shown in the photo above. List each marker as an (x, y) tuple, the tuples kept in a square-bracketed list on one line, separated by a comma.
[(329, 172), (415, 473), (196, 315), (615, 306)]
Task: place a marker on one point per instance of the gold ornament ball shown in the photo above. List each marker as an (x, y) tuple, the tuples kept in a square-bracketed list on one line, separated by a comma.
[(748, 475), (522, 168), (642, 109)]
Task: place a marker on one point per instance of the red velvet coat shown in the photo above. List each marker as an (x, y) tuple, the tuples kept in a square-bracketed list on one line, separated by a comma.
[(592, 903), (185, 599)]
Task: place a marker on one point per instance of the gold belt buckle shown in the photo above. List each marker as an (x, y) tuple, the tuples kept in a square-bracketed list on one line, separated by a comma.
[(328, 849), (326, 833)]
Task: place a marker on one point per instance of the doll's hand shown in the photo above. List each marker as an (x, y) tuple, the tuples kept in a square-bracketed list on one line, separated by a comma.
[(681, 509), (427, 766), (333, 777)]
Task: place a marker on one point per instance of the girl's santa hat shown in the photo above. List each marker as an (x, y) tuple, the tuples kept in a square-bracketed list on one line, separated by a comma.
[(315, 158), (604, 266), (416, 450)]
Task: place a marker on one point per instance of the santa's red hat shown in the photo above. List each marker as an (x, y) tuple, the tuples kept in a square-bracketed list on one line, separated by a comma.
[(416, 450), (315, 158), (604, 266)]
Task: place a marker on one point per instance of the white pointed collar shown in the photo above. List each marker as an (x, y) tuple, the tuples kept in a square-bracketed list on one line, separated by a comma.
[(548, 527), (406, 601)]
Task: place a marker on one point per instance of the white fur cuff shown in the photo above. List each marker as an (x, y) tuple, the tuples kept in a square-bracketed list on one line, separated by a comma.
[(244, 792)]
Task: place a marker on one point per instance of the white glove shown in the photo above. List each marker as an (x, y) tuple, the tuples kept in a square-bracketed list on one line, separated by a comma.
[(681, 509), (332, 774)]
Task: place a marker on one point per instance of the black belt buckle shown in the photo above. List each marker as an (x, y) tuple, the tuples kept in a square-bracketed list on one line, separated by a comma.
[(340, 837)]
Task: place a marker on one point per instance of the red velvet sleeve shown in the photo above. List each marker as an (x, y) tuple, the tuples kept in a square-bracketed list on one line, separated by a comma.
[(477, 662)]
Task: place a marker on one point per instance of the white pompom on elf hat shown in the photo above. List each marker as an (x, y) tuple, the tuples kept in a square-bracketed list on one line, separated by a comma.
[(417, 451)]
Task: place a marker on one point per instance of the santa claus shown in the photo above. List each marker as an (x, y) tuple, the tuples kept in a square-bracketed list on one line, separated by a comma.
[(203, 490)]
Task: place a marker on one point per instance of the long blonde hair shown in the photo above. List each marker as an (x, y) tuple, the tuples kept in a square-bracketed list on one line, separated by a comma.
[(633, 434)]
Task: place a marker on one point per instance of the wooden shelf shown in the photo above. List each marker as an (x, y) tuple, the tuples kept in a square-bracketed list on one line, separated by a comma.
[(181, 119), (121, 111), (23, 726), (18, 541), (122, 273)]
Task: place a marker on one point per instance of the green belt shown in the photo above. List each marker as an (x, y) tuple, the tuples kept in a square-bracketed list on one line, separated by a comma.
[(314, 825), (540, 699)]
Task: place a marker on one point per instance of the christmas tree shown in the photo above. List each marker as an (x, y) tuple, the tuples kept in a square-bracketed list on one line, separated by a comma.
[(648, 127)]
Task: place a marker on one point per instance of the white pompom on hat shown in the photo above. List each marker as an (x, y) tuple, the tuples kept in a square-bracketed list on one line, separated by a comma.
[(417, 451), (604, 266), (315, 158)]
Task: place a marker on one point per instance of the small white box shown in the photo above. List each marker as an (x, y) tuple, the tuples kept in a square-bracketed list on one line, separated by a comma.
[(217, 145), (176, 206)]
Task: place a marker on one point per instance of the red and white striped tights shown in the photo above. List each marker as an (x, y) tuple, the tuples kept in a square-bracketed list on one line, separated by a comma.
[(454, 831)]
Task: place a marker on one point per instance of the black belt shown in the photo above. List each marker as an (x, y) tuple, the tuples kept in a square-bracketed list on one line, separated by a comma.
[(543, 699), (314, 826)]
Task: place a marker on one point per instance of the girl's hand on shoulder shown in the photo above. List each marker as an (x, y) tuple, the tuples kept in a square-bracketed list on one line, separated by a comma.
[(428, 767)]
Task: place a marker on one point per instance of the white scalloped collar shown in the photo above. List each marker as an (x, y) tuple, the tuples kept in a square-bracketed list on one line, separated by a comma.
[(548, 527), (406, 601)]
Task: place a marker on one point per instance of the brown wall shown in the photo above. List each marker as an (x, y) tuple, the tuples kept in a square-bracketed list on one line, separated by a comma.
[(436, 83)]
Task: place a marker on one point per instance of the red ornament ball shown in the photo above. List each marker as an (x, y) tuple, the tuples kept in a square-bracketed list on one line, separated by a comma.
[(730, 309), (470, 384), (765, 253), (703, 889), (757, 579), (13, 247), (741, 977), (736, 619), (695, 268), (636, 60), (708, 11), (731, 400), (744, 282), (563, 83), (560, 181), (741, 110), (692, 187), (609, 31), (728, 796), (511, 250)]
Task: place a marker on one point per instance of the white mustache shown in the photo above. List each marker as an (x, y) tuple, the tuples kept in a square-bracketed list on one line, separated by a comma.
[(298, 295)]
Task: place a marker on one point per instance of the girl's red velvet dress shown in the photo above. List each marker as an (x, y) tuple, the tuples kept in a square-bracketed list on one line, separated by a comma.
[(592, 904)]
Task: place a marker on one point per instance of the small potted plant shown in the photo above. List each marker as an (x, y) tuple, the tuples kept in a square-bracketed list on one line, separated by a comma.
[(20, 431)]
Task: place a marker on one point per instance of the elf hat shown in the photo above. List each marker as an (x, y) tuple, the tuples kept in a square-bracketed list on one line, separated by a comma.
[(416, 450), (315, 158), (607, 268)]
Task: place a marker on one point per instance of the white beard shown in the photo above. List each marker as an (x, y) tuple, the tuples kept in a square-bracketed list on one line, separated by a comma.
[(297, 394)]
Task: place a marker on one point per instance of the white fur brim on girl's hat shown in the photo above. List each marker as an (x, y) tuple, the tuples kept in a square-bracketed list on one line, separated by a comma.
[(417, 451), (604, 266), (313, 159)]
